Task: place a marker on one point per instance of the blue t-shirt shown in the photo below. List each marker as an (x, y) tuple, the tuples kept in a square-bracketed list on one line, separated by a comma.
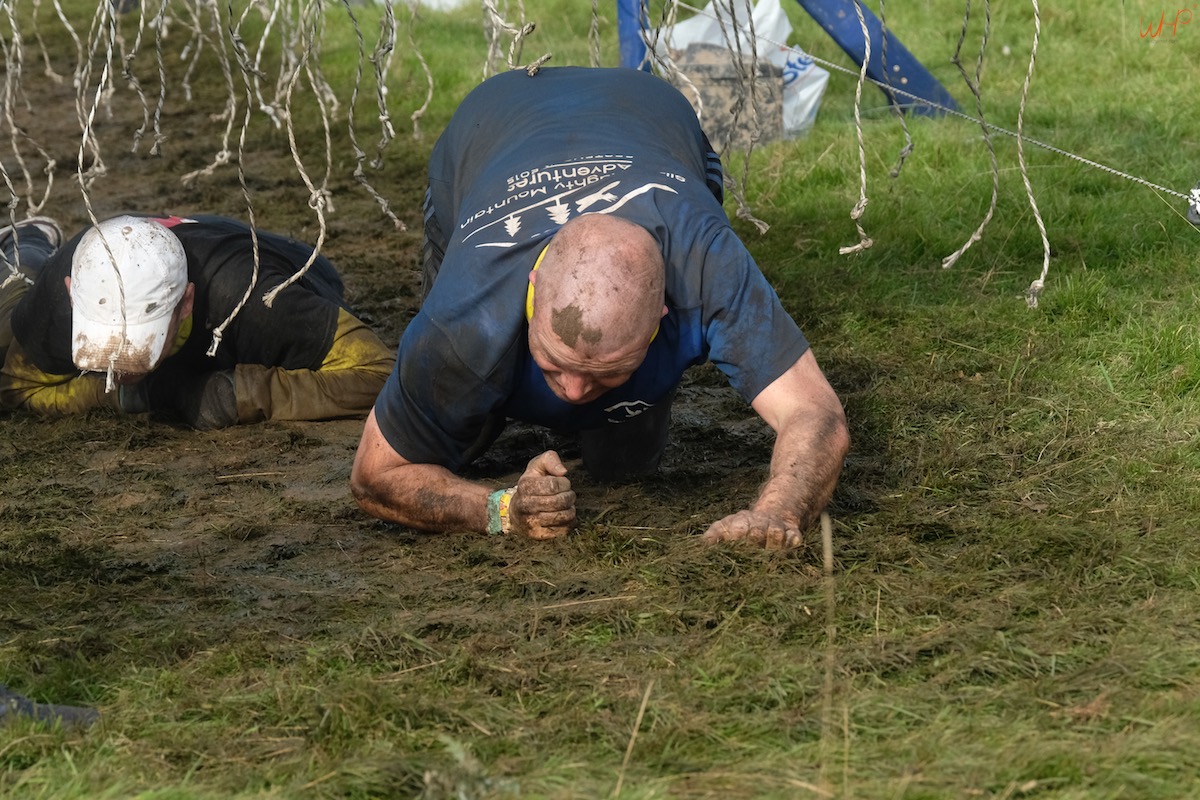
[(521, 156)]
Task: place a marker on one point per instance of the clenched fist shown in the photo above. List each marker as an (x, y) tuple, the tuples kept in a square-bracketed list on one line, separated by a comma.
[(543, 507)]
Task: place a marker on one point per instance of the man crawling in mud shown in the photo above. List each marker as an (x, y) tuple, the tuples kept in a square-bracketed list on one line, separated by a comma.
[(598, 188)]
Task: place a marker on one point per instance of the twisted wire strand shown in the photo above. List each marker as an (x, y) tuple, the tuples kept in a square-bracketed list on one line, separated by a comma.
[(381, 60), (131, 80), (320, 198), (192, 50), (103, 31), (47, 69), (1039, 283), (222, 156), (271, 109), (416, 115), (594, 34), (974, 86), (12, 73), (86, 109), (746, 77), (652, 37), (908, 147), (496, 26), (248, 68), (860, 207), (160, 32), (360, 155), (746, 73), (70, 29), (13, 96)]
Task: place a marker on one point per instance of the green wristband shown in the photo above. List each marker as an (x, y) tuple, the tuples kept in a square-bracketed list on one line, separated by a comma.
[(498, 501), (493, 527)]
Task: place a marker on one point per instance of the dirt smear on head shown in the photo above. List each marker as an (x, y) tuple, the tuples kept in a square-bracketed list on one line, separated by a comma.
[(567, 323)]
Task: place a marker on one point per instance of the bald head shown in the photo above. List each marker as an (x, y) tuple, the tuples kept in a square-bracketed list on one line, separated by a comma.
[(600, 286), (598, 300)]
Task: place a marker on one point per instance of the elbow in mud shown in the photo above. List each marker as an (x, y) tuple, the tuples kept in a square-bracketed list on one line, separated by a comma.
[(362, 489)]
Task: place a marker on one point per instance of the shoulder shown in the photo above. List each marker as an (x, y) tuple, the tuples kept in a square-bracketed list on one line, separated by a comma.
[(460, 343)]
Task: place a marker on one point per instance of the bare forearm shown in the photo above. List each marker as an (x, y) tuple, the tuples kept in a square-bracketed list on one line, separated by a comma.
[(425, 497), (804, 468), (811, 442)]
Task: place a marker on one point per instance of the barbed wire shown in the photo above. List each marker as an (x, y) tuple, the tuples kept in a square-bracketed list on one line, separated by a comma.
[(104, 54)]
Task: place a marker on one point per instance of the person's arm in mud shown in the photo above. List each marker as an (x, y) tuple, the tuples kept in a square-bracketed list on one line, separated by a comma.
[(343, 386), (811, 442), (431, 498)]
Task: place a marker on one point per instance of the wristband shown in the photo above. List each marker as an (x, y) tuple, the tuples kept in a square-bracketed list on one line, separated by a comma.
[(498, 502)]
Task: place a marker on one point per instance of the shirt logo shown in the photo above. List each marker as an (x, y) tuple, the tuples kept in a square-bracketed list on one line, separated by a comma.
[(632, 408)]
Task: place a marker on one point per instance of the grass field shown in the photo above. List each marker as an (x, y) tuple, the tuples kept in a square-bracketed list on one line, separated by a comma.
[(1014, 609)]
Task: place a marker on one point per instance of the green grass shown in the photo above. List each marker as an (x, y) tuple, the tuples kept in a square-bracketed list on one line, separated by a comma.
[(1014, 607)]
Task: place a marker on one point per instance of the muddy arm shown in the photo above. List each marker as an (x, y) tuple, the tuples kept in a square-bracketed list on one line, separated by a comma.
[(429, 497), (811, 443)]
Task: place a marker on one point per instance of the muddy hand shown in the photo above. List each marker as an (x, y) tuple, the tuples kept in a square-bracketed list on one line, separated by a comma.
[(768, 531), (543, 506)]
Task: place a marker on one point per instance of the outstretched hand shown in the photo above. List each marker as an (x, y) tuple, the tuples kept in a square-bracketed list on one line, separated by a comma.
[(543, 507), (769, 531)]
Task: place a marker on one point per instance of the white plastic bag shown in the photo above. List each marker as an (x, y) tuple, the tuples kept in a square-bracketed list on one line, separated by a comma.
[(803, 86), (803, 81)]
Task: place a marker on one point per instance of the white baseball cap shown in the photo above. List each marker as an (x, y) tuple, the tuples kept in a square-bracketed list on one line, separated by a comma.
[(128, 274)]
